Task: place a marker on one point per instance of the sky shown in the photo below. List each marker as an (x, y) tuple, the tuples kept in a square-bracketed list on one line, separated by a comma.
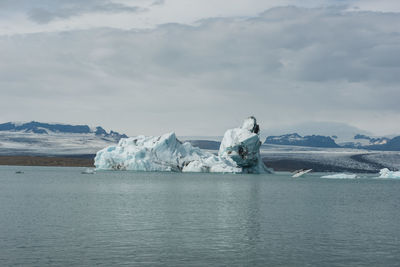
[(201, 67)]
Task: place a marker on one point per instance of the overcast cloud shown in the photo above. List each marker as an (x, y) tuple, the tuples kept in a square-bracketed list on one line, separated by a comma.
[(200, 74)]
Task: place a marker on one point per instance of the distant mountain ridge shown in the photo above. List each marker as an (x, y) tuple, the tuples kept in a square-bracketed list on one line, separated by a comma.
[(295, 139), (360, 142), (379, 143), (372, 141), (46, 128), (38, 138)]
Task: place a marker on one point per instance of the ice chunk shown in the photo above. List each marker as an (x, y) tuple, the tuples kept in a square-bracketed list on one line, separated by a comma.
[(239, 152), (340, 176), (386, 173), (242, 145), (212, 164), (160, 153)]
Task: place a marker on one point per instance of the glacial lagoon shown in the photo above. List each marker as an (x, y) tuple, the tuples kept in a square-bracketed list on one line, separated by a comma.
[(59, 217)]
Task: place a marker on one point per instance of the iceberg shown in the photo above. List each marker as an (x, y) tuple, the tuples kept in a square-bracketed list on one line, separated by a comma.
[(386, 173), (160, 153), (242, 145), (239, 153), (340, 176)]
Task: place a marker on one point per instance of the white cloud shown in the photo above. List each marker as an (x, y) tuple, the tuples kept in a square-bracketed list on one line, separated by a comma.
[(45, 15), (285, 66), (27, 16)]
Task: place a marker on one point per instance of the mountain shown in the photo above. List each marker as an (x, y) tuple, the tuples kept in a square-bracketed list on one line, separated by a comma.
[(55, 139), (372, 140), (343, 131), (297, 140), (359, 141), (373, 143), (46, 128), (385, 144)]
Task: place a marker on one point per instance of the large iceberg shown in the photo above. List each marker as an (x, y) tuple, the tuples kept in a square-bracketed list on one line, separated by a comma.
[(239, 152), (386, 173), (242, 145), (160, 153)]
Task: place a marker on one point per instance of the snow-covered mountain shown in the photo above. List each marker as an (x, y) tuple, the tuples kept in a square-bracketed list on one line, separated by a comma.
[(362, 140), (298, 140), (359, 141), (54, 139), (342, 131), (384, 143)]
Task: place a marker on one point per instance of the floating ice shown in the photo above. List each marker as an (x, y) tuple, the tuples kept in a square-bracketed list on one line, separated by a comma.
[(160, 153), (340, 176), (386, 173), (88, 171), (242, 145), (239, 152)]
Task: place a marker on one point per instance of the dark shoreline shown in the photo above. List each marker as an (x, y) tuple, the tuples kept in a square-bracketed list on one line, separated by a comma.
[(59, 161)]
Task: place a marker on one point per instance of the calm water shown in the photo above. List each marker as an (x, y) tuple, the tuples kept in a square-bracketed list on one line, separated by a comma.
[(57, 216)]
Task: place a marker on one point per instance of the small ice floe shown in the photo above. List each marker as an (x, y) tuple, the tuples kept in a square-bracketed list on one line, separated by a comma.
[(300, 172), (340, 176), (19, 172), (88, 171), (386, 173)]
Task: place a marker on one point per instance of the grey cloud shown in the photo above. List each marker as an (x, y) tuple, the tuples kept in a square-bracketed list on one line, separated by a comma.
[(45, 15), (282, 66), (45, 11), (158, 2)]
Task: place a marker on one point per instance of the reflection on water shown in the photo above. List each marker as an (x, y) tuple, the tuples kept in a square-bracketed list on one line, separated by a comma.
[(57, 216)]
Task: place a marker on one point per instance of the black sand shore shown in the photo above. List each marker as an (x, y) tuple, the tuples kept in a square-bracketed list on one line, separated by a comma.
[(65, 161)]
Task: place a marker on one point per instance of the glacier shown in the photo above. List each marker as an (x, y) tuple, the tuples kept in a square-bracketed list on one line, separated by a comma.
[(386, 173), (239, 153)]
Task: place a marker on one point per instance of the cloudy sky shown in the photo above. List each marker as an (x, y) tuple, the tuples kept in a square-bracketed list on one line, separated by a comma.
[(199, 67)]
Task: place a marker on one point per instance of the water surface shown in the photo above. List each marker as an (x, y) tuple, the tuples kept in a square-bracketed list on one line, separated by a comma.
[(58, 216)]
